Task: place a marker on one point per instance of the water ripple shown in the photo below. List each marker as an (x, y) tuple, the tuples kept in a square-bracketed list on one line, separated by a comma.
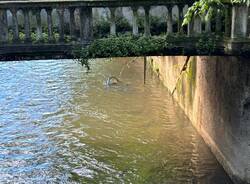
[(61, 125)]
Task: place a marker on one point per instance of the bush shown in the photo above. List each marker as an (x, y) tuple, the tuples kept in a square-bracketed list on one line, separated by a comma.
[(102, 27), (127, 46), (123, 46)]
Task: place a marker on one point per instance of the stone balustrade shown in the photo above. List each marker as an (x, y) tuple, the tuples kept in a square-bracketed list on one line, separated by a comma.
[(232, 22)]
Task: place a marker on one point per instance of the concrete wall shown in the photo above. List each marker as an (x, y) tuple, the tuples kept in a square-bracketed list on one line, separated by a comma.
[(214, 92)]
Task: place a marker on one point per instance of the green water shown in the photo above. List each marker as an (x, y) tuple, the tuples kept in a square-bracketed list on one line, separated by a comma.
[(61, 125)]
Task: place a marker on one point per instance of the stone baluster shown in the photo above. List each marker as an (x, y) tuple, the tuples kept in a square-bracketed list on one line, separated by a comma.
[(26, 24), (239, 21), (87, 22), (50, 24), (190, 26), (218, 21), (112, 21), (207, 24), (72, 25), (3, 26), (15, 25), (169, 20), (180, 19), (135, 21), (147, 21), (38, 24), (60, 12), (81, 24), (197, 25), (228, 18)]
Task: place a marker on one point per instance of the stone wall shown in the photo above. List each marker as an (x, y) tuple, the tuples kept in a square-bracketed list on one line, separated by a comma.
[(214, 92)]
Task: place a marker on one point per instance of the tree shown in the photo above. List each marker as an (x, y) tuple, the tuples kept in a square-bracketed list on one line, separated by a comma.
[(207, 7)]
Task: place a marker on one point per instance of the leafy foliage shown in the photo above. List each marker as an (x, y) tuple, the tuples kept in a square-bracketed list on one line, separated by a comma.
[(126, 46), (207, 43), (207, 7), (120, 47), (201, 8)]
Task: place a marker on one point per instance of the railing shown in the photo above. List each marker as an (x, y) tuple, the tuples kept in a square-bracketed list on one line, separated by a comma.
[(232, 22)]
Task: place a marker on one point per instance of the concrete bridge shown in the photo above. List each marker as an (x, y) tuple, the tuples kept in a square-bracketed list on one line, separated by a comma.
[(213, 91), (21, 38)]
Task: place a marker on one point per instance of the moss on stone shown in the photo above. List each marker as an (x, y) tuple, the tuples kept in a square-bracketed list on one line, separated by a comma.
[(191, 78)]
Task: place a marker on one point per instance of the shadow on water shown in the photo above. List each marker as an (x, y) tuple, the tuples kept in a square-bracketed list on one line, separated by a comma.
[(61, 125)]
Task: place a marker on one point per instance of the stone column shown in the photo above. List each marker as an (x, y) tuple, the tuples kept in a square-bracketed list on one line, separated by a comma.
[(60, 12), (50, 24), (86, 25), (3, 26), (38, 24), (207, 25), (190, 28), (134, 21), (72, 25), (228, 18), (180, 20), (112, 21), (169, 20), (197, 25), (15, 25), (27, 25), (239, 21), (218, 21), (146, 21), (81, 23)]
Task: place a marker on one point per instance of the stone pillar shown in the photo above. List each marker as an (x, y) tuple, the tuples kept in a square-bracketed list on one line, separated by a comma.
[(228, 18), (81, 23), (86, 25), (38, 24), (190, 28), (169, 20), (60, 12), (50, 24), (197, 25), (180, 19), (134, 21), (72, 25), (239, 21), (15, 25), (27, 25), (3, 26), (112, 21), (146, 21), (218, 21), (208, 25)]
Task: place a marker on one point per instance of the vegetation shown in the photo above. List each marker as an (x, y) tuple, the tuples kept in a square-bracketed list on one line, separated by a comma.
[(140, 46), (33, 37), (102, 26), (202, 8), (119, 47), (206, 8), (125, 46)]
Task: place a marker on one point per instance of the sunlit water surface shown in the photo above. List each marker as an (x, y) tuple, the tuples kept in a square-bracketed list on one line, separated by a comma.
[(61, 125)]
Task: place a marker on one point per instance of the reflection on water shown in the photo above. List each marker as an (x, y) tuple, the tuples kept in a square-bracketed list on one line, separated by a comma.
[(61, 125)]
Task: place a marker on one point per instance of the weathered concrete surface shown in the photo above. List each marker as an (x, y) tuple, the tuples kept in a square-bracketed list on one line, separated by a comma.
[(214, 92)]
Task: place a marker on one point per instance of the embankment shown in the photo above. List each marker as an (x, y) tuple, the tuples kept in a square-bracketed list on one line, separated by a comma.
[(214, 92)]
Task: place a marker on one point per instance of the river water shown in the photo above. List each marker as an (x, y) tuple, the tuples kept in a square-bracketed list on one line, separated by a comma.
[(59, 124)]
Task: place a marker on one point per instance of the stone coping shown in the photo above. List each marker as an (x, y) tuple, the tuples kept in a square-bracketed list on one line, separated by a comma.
[(92, 3)]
